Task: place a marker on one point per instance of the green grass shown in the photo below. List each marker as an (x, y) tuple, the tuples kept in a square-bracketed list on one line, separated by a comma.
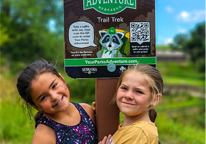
[(184, 128), (181, 73), (163, 47), (179, 101), (15, 125), (171, 131), (183, 81)]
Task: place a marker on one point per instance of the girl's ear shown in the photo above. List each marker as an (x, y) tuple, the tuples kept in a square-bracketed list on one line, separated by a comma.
[(157, 98)]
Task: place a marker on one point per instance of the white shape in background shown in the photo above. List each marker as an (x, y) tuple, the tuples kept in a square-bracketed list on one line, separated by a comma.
[(169, 9), (81, 34), (122, 68), (168, 41), (194, 16)]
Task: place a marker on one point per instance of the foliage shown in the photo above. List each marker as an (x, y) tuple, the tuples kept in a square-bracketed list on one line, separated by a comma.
[(87, 92), (16, 127), (26, 36), (171, 131), (194, 44), (26, 33), (163, 47), (179, 117), (179, 41), (181, 73)]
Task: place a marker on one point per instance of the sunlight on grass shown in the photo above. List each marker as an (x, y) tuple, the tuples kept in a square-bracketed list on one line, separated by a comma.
[(183, 81), (15, 125), (175, 132), (181, 117), (181, 73)]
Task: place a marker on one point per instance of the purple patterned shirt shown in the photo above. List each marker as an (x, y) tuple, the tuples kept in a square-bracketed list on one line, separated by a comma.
[(82, 133)]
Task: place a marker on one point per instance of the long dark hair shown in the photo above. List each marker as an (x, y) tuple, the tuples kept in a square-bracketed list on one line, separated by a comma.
[(25, 79)]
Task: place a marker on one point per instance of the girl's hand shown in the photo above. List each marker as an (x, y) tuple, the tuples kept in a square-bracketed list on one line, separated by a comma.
[(94, 105), (105, 140)]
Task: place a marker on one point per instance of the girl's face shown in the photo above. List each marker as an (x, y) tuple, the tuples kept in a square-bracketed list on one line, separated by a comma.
[(49, 93), (133, 94)]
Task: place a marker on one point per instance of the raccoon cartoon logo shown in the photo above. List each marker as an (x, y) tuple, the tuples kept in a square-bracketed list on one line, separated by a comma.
[(111, 42)]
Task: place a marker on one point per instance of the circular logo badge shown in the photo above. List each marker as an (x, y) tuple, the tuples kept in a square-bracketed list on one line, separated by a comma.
[(89, 72), (111, 67)]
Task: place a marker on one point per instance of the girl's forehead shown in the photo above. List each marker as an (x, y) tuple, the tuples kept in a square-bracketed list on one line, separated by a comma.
[(44, 78), (42, 83), (135, 78), (134, 74)]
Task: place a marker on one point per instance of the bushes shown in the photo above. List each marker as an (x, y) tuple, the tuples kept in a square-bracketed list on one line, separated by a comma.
[(185, 126), (181, 119)]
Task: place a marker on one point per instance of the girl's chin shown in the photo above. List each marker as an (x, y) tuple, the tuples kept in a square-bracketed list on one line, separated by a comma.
[(128, 113)]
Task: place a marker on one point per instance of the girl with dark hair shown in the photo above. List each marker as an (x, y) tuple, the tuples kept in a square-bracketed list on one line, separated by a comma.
[(58, 120)]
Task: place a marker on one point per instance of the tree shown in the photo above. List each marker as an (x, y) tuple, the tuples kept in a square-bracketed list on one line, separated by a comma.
[(26, 32), (179, 41), (193, 44)]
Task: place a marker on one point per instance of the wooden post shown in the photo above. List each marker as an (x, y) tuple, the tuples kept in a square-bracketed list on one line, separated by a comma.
[(107, 113)]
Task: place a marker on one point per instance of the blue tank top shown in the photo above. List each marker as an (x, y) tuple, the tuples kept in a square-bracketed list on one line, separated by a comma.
[(82, 133)]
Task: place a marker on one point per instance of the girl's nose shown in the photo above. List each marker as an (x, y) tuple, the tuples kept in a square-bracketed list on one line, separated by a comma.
[(129, 95), (54, 96)]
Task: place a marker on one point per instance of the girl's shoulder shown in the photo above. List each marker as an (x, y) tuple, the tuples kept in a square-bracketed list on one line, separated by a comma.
[(89, 110), (44, 134), (144, 125), (86, 106), (140, 127), (148, 128)]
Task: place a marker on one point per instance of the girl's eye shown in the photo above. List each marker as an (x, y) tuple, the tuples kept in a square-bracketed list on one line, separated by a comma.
[(43, 98), (139, 92), (54, 86), (123, 88)]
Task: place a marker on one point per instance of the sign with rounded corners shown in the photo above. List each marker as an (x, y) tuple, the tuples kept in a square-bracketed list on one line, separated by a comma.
[(103, 37)]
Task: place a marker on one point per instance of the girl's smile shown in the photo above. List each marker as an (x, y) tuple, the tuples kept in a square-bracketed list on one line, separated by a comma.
[(50, 93), (133, 95), (59, 102), (126, 103)]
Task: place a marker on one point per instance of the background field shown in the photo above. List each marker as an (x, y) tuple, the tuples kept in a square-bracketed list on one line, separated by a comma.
[(34, 29), (181, 116)]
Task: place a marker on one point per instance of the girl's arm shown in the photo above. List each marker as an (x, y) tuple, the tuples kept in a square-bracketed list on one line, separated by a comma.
[(89, 110), (44, 135)]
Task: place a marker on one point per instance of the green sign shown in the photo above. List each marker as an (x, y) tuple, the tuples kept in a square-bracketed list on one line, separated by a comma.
[(109, 6), (116, 61), (103, 37)]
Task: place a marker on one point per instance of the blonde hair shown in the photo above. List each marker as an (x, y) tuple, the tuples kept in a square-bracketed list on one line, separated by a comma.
[(153, 77)]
